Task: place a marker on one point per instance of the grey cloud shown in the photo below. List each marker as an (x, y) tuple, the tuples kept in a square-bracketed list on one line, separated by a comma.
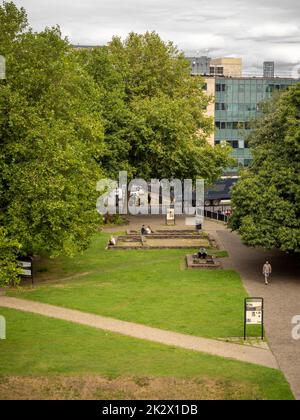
[(225, 27)]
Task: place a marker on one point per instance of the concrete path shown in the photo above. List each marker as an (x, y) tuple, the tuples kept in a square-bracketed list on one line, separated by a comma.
[(282, 296), (242, 353)]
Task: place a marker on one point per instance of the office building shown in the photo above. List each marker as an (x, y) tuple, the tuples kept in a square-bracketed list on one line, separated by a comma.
[(2, 67), (199, 65), (228, 66), (269, 69), (237, 102), (210, 88)]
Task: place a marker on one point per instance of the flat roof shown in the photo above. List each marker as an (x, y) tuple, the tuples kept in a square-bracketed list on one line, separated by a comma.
[(86, 46), (211, 76)]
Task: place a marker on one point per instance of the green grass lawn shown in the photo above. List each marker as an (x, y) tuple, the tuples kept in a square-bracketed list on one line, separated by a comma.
[(40, 346), (147, 287)]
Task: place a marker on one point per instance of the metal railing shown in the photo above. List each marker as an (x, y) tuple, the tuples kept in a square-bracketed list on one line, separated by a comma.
[(218, 216)]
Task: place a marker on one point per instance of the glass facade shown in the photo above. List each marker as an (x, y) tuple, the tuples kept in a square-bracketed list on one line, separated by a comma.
[(199, 65), (269, 69), (236, 104)]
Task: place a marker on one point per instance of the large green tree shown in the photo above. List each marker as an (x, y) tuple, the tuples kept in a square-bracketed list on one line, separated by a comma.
[(154, 111), (66, 115), (51, 139), (267, 198), (9, 250)]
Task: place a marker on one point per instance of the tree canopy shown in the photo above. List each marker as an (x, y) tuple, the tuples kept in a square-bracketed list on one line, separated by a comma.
[(51, 138), (267, 198), (69, 118), (154, 111)]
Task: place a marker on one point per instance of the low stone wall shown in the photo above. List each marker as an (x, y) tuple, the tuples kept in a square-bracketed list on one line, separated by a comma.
[(164, 239), (163, 236), (145, 247), (209, 263), (170, 233)]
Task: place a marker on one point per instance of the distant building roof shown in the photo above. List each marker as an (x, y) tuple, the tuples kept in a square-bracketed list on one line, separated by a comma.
[(221, 190), (85, 46)]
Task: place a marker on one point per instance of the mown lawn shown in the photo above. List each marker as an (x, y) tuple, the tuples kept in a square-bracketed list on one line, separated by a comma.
[(37, 346), (147, 287)]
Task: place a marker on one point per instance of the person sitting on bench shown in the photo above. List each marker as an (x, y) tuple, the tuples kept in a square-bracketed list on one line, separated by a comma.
[(202, 253), (143, 230), (112, 241)]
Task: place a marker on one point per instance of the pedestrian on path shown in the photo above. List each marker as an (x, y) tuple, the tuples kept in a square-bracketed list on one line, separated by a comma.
[(267, 271)]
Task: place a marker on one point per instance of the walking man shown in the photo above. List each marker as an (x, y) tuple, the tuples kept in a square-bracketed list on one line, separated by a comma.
[(267, 271)]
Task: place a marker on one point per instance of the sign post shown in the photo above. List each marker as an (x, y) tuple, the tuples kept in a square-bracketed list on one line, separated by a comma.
[(25, 263), (254, 314), (170, 218)]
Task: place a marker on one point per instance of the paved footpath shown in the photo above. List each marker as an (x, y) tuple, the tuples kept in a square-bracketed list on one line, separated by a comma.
[(258, 356), (282, 296)]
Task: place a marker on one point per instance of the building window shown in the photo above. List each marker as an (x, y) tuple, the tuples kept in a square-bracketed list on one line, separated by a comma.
[(220, 87), (247, 162), (233, 125), (241, 88), (234, 144), (221, 106)]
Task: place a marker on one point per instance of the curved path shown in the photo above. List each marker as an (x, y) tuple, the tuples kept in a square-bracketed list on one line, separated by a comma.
[(282, 296), (258, 356)]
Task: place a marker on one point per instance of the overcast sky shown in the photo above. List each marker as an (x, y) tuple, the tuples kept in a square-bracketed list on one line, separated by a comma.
[(255, 30)]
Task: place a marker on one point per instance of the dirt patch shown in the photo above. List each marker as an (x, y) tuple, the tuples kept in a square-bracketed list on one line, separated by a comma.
[(136, 388)]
